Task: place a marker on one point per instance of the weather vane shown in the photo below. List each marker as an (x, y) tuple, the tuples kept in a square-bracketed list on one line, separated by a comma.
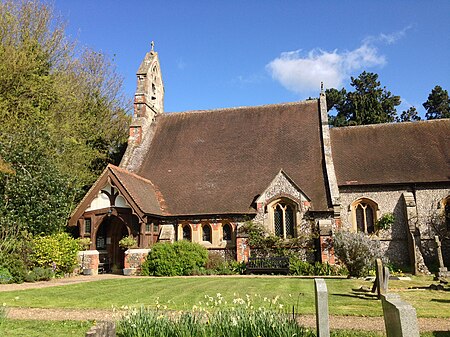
[(153, 45)]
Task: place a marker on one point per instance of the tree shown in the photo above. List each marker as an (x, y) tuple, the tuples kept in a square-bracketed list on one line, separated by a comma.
[(63, 117), (369, 103), (410, 115), (437, 104)]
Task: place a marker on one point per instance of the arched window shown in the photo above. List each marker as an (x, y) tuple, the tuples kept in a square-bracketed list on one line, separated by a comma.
[(227, 232), (187, 233), (284, 219), (206, 229), (364, 215), (447, 212)]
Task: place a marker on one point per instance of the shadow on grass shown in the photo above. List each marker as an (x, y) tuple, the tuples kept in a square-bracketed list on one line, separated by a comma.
[(440, 300), (441, 333), (362, 296)]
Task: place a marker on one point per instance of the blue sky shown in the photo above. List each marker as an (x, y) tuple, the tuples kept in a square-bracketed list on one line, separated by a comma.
[(230, 53)]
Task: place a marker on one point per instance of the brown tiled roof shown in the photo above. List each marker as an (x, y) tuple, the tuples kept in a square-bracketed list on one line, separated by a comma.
[(218, 161), (144, 193), (416, 152)]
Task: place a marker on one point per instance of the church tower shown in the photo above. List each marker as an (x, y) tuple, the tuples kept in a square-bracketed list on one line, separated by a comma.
[(148, 103)]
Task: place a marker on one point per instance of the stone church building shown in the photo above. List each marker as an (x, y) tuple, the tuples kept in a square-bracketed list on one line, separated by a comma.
[(199, 175)]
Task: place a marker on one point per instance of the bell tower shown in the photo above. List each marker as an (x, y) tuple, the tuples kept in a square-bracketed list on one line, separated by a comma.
[(149, 96), (148, 103)]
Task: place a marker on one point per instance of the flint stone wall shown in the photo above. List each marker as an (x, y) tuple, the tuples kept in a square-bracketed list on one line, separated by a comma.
[(394, 241)]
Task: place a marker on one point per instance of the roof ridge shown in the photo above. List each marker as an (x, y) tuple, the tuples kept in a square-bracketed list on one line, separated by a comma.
[(131, 174), (158, 193), (391, 124), (247, 107)]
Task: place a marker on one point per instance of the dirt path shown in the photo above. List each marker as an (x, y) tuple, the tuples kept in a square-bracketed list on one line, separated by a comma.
[(58, 282), (336, 322)]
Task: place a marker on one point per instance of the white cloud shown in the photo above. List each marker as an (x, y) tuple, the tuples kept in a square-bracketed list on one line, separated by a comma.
[(303, 72)]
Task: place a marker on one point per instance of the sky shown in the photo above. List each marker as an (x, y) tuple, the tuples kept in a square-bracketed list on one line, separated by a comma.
[(217, 54)]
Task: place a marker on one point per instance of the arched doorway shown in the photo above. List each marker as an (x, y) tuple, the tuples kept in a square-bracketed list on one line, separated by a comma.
[(109, 233)]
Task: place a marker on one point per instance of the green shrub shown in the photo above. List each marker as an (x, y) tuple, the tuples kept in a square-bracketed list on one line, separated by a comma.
[(16, 267), (385, 221), (56, 251), (5, 276), (15, 248), (300, 267), (357, 251), (179, 258), (39, 274), (128, 242), (217, 264)]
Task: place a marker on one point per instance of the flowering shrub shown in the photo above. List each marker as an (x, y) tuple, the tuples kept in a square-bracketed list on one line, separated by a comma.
[(213, 317), (56, 251), (357, 251)]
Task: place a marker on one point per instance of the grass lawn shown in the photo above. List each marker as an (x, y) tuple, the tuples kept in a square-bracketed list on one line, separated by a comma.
[(32, 328), (183, 293)]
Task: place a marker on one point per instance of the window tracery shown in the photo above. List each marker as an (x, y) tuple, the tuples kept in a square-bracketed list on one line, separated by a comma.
[(283, 219), (364, 215)]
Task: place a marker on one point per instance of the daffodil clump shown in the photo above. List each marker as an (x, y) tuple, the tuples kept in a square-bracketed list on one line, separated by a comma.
[(215, 316)]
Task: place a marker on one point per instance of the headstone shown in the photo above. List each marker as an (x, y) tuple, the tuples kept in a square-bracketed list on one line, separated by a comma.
[(322, 320), (379, 279), (400, 318), (384, 283), (443, 272)]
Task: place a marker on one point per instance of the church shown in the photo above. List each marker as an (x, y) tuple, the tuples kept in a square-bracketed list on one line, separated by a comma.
[(200, 175)]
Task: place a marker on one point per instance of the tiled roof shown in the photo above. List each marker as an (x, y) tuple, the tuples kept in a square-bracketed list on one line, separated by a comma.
[(416, 152), (219, 161), (144, 193)]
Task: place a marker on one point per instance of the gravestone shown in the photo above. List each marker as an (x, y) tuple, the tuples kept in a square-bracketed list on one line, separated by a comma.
[(382, 278), (400, 318), (322, 320), (443, 272)]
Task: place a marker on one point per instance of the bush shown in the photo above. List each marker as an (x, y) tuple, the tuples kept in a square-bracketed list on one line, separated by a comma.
[(300, 267), (39, 274), (386, 221), (56, 251), (15, 248), (5, 276), (179, 258), (357, 251), (128, 242)]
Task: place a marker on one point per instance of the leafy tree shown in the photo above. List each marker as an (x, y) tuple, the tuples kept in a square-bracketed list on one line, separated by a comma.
[(63, 117), (410, 115), (369, 103), (437, 104)]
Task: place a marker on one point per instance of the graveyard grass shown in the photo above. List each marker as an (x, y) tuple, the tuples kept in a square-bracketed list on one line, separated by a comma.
[(178, 293)]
